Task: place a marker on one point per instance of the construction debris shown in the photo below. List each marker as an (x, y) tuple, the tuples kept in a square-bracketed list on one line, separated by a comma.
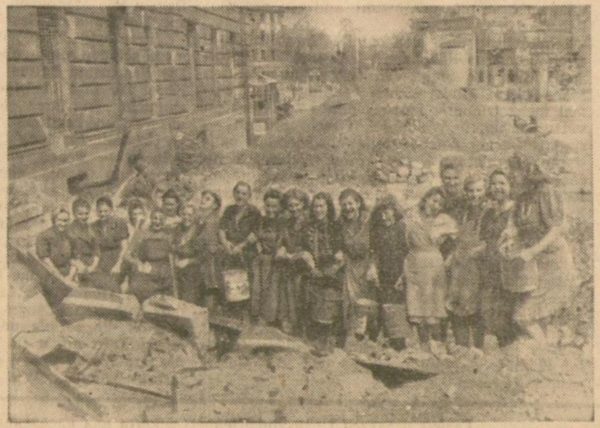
[(84, 303)]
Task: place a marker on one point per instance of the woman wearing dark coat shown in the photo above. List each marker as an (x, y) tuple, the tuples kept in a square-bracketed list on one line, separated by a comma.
[(324, 280), (211, 251), (186, 251), (389, 248), (55, 249)]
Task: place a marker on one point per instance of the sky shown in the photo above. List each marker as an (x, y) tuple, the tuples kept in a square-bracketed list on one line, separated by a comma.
[(370, 22)]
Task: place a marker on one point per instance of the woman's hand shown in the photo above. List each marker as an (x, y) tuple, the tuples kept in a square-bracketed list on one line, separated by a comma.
[(281, 253), (399, 284), (339, 257), (116, 268)]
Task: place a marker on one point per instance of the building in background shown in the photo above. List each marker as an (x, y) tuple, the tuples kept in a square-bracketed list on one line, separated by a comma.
[(78, 76)]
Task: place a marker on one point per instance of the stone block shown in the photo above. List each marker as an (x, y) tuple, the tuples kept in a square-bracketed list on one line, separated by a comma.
[(84, 303)]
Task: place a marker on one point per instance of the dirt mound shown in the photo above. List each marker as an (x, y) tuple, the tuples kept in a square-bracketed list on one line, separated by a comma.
[(405, 116)]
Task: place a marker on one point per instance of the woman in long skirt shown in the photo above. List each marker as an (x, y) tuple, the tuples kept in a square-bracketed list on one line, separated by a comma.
[(293, 314), (360, 273), (324, 281), (424, 270), (464, 300), (388, 243), (266, 278), (153, 268), (496, 301), (210, 249), (539, 220), (186, 252), (111, 234)]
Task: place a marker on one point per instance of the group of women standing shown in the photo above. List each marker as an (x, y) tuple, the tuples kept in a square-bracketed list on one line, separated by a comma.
[(473, 256)]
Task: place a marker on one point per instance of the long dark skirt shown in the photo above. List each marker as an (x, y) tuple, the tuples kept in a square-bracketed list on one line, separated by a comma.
[(189, 283), (264, 291)]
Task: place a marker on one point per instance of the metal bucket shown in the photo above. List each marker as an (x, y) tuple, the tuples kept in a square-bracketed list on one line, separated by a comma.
[(395, 324), (326, 306), (236, 285)]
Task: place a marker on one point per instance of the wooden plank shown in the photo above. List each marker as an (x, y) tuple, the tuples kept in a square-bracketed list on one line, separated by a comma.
[(82, 74), (23, 46), (138, 73), (139, 111), (136, 35), (25, 131), (139, 91), (22, 18), (94, 12), (89, 51), (171, 72), (87, 28), (91, 120), (92, 96), (170, 39), (24, 102), (25, 74)]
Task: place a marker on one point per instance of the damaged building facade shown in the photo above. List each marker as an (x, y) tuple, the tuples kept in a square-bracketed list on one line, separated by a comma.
[(77, 77)]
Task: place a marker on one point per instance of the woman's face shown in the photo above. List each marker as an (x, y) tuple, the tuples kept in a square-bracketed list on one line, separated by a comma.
[(208, 202), (241, 195), (451, 181), (433, 205), (103, 211), (295, 207), (82, 214), (475, 191), (272, 207), (137, 215), (157, 220), (188, 216), (170, 207), (350, 208), (61, 221), (319, 208), (499, 188), (388, 217)]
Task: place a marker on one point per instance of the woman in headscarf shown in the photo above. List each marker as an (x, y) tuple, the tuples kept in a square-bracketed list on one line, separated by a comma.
[(153, 268), (496, 302), (539, 221), (186, 251), (266, 278), (388, 243), (323, 281), (292, 314), (210, 249), (424, 270), (360, 273), (55, 249), (463, 300)]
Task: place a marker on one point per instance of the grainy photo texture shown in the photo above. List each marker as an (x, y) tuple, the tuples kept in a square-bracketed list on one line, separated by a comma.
[(277, 214)]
